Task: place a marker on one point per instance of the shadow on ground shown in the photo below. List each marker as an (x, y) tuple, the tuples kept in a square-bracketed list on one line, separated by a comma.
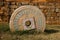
[(50, 31), (33, 32)]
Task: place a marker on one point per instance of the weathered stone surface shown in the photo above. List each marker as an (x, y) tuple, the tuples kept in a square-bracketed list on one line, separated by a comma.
[(27, 13)]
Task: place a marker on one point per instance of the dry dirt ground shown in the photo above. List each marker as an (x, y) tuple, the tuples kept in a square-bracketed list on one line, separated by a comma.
[(52, 32)]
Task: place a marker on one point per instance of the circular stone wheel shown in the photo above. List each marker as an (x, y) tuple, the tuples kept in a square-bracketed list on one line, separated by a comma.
[(26, 12)]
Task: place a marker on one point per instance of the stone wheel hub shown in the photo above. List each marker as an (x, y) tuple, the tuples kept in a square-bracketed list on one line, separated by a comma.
[(27, 23)]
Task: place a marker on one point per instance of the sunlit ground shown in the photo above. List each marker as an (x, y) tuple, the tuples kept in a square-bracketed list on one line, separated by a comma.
[(51, 33)]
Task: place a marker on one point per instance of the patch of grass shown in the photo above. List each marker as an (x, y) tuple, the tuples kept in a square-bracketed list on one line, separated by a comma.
[(52, 32), (4, 27)]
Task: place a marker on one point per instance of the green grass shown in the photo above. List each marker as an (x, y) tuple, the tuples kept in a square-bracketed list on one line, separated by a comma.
[(51, 32)]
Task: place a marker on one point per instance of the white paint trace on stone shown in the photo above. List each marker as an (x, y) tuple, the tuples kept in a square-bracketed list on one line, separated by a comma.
[(26, 12)]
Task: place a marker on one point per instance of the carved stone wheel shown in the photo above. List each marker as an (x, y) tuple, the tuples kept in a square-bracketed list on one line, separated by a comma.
[(27, 18)]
